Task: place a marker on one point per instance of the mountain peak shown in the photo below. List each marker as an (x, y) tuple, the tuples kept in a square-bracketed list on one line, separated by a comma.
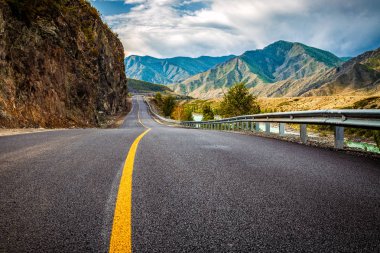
[(281, 43)]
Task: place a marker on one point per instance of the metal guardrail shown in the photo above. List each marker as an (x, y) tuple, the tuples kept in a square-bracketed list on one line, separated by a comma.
[(368, 119)]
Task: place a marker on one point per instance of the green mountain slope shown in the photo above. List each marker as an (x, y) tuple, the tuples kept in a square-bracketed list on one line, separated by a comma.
[(142, 86), (170, 70), (360, 75), (277, 62)]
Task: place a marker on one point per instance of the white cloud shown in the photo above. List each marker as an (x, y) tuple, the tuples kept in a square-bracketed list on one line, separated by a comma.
[(163, 28), (134, 1)]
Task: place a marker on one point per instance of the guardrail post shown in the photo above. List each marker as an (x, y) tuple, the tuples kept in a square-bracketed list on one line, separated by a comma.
[(339, 137), (252, 127), (281, 128), (257, 126), (267, 127), (246, 126), (303, 133)]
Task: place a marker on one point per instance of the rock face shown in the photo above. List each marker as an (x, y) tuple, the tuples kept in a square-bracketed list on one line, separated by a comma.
[(275, 63), (60, 65), (170, 70)]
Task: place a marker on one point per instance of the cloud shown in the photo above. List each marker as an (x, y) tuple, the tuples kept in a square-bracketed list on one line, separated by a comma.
[(134, 1), (167, 28)]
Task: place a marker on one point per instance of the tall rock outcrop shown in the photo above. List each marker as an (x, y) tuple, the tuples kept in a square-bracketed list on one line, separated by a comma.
[(60, 65)]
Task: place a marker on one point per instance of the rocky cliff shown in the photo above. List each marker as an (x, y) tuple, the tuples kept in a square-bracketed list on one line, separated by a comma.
[(60, 65)]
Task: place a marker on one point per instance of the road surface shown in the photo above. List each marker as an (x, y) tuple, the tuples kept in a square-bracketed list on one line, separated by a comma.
[(192, 190)]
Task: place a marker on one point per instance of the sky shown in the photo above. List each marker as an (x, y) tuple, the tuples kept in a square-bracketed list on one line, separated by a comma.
[(169, 28)]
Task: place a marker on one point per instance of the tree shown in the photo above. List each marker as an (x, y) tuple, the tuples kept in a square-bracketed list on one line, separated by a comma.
[(168, 104), (207, 112), (182, 113), (158, 97), (238, 101)]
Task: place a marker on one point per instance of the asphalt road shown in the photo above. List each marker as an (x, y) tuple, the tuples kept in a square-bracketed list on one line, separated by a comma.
[(193, 190)]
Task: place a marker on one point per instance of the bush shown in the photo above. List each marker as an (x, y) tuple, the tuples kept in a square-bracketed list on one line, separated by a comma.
[(168, 105), (376, 137), (207, 112), (182, 113), (158, 97), (238, 101), (28, 10)]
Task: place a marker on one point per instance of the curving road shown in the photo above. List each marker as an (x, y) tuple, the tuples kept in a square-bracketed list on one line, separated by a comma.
[(193, 190)]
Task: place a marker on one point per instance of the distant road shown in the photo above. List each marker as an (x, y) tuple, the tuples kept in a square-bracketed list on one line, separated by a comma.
[(192, 190)]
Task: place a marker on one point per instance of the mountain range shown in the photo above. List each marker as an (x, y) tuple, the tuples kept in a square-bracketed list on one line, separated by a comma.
[(170, 70), (280, 69)]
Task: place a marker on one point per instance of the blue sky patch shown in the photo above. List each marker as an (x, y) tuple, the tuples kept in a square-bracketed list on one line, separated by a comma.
[(108, 8)]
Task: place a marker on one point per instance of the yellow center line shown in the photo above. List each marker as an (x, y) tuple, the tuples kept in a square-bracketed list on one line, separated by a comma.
[(121, 235), (138, 117)]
